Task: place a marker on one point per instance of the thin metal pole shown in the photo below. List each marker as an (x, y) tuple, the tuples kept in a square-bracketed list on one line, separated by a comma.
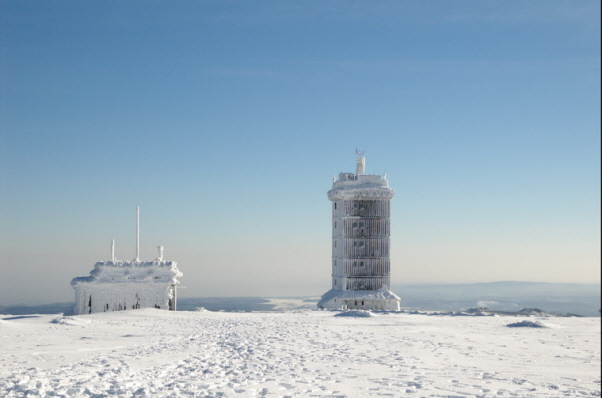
[(138, 233)]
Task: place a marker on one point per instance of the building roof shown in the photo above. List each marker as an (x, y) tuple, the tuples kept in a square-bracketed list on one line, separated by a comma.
[(131, 272)]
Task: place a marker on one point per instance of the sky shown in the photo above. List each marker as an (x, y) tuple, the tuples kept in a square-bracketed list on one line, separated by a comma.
[(225, 121)]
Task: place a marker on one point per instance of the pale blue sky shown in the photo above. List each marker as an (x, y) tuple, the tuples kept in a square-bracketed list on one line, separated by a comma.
[(226, 120)]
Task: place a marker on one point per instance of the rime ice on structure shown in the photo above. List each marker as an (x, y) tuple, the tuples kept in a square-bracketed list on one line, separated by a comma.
[(360, 242), (125, 285)]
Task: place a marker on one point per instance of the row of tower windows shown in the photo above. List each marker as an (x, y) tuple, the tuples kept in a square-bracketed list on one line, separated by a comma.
[(368, 269), (366, 283), (355, 263), (375, 247), (361, 263), (370, 227), (363, 208), (360, 241), (354, 225)]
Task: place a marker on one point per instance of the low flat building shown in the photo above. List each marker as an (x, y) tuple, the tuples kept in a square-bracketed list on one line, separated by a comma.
[(126, 285)]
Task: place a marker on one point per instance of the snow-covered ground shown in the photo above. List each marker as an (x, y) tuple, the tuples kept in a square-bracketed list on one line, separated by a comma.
[(155, 353)]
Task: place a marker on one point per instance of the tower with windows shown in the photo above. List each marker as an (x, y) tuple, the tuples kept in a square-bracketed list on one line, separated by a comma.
[(360, 242)]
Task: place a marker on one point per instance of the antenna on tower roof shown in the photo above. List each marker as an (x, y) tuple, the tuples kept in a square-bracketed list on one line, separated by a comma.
[(360, 165)]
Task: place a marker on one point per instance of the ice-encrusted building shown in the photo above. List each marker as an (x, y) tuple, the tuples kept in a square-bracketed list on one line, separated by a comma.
[(124, 285), (360, 242)]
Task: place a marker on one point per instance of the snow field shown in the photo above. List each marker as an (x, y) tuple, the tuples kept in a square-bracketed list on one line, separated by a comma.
[(155, 353)]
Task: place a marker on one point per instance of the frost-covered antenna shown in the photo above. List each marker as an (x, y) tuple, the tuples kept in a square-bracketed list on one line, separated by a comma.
[(137, 234), (160, 258), (112, 250), (360, 165)]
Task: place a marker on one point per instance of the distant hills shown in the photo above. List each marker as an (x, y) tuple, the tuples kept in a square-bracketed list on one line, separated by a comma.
[(582, 299)]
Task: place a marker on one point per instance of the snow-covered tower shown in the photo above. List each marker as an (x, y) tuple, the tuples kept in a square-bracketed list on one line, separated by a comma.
[(360, 242), (124, 285)]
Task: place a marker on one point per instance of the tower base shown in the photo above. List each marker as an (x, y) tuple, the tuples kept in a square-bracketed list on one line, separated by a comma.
[(375, 300)]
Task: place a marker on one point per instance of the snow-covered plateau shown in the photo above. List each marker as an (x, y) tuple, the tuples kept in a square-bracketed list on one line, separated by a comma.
[(158, 353)]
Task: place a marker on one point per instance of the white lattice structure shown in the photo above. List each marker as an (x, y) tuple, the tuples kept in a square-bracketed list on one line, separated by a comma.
[(360, 243)]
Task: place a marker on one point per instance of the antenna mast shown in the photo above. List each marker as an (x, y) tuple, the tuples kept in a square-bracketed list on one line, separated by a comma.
[(360, 165), (137, 234), (113, 250)]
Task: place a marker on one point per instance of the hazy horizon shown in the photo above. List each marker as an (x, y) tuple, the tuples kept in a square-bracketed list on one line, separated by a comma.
[(505, 289)]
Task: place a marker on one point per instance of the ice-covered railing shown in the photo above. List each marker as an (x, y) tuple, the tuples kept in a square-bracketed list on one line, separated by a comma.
[(350, 186)]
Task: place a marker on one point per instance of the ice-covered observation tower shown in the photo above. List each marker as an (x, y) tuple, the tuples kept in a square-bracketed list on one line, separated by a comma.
[(124, 285), (360, 242)]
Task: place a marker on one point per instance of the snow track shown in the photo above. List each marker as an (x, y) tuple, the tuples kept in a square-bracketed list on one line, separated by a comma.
[(153, 353)]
